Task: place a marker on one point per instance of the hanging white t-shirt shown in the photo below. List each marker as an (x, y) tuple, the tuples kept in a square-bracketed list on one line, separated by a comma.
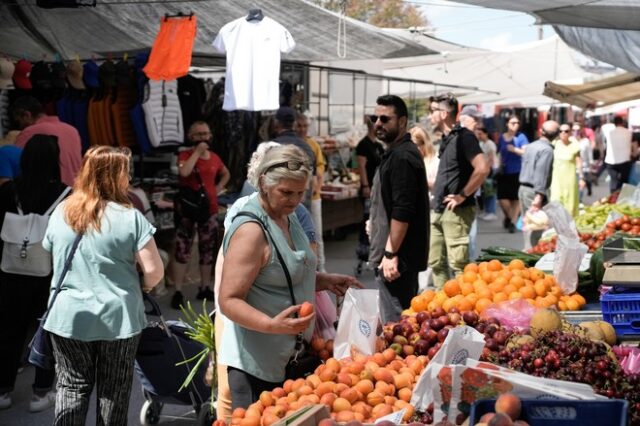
[(253, 63)]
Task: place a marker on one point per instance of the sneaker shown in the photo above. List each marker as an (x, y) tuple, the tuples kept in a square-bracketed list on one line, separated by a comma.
[(177, 300), (506, 222), (489, 217), (5, 401), (41, 403), (205, 293), (511, 228)]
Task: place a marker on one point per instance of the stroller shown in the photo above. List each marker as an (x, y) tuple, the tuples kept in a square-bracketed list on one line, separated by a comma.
[(163, 344)]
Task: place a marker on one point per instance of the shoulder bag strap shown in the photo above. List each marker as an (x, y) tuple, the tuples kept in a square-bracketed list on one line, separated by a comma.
[(268, 236), (299, 337), (57, 201), (198, 177), (65, 269)]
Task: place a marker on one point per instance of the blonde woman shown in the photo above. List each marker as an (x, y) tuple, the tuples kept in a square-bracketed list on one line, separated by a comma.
[(95, 322), (422, 140)]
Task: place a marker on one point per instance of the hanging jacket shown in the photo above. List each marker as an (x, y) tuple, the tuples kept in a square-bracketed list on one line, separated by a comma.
[(162, 113)]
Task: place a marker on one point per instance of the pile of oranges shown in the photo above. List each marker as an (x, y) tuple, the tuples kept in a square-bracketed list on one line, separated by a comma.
[(481, 285)]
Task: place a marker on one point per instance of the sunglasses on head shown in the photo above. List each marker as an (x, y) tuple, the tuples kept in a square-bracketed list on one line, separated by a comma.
[(292, 165), (384, 119)]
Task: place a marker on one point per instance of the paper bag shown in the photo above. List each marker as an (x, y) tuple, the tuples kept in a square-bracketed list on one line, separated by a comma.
[(461, 343), (357, 324)]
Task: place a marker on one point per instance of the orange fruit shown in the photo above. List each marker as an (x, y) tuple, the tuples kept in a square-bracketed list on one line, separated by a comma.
[(517, 282), (495, 287), (448, 304), (510, 288), (578, 297), (482, 267), (515, 295), (465, 305), (500, 297), (487, 276), (540, 288), (428, 295), (433, 305), (495, 265), (516, 264), (556, 291), (473, 267), (419, 303), (452, 287), (528, 292), (440, 297), (562, 306), (525, 274), (507, 273), (484, 293), (535, 274), (472, 298), (483, 304), (466, 288), (501, 280), (572, 304), (469, 276)]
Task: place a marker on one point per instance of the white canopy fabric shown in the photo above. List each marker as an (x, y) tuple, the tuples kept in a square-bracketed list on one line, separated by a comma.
[(131, 25), (598, 93), (516, 77), (608, 30)]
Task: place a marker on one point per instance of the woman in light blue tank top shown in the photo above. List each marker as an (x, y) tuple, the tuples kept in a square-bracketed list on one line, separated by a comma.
[(260, 325)]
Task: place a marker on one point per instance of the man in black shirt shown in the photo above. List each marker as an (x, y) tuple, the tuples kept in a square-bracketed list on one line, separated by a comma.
[(462, 169), (369, 153), (399, 204)]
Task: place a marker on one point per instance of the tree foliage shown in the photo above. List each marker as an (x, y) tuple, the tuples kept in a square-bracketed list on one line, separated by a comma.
[(381, 13)]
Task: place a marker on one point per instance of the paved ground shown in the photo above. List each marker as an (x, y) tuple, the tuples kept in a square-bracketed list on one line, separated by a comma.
[(340, 258)]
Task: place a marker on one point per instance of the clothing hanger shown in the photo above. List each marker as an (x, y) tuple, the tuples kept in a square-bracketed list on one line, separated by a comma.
[(255, 15), (177, 15)]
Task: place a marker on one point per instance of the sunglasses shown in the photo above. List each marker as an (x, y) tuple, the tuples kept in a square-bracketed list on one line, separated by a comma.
[(292, 165), (384, 119), (564, 130)]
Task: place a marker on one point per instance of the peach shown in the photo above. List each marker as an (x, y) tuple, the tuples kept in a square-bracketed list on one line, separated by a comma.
[(327, 375), (396, 364), (267, 398), (362, 408), (340, 387), (333, 364), (344, 378), (354, 379), (379, 359), (297, 384), (356, 367), (350, 395), (383, 375), (389, 355), (372, 366), (509, 404), (278, 392), (306, 309), (325, 387), (304, 390), (287, 385), (328, 399)]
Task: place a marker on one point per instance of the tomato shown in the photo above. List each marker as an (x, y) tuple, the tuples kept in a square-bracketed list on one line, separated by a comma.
[(635, 221), (626, 227)]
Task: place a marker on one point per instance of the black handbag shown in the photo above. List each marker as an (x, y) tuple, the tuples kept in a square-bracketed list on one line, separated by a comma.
[(303, 362), (40, 348), (194, 204)]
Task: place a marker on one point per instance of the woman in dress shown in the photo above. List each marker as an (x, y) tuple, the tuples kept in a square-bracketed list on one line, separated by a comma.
[(567, 173)]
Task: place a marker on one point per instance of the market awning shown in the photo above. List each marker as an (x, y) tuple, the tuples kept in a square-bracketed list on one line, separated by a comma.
[(608, 30), (119, 26), (606, 91)]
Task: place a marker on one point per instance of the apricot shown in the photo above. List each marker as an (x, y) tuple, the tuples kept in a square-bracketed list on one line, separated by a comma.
[(390, 400), (359, 419), (340, 404), (340, 387), (328, 399), (344, 378), (313, 380), (389, 355), (350, 395), (374, 398), (402, 380), (383, 375), (404, 394), (365, 386), (381, 410), (238, 413), (327, 375), (269, 419), (306, 309), (278, 393), (327, 422), (379, 359), (333, 365), (356, 367), (361, 407), (509, 404), (317, 343), (250, 421), (345, 416), (267, 398), (325, 387), (304, 390)]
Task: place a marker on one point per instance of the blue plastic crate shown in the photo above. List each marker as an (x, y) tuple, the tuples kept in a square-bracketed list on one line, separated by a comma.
[(611, 412), (622, 310)]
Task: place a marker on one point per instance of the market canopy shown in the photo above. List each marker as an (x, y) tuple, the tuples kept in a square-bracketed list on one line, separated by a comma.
[(607, 30), (607, 91), (513, 77), (131, 25)]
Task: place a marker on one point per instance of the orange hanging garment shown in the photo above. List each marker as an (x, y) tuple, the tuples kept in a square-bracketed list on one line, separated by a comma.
[(170, 56)]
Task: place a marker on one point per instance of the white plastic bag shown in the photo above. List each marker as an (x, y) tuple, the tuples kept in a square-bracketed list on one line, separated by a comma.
[(461, 344), (569, 251), (357, 324)]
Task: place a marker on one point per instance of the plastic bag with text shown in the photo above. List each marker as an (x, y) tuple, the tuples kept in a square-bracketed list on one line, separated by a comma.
[(513, 314), (325, 316), (358, 323), (569, 251), (461, 343)]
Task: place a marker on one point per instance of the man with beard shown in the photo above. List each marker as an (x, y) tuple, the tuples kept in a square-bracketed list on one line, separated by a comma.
[(462, 169), (399, 204)]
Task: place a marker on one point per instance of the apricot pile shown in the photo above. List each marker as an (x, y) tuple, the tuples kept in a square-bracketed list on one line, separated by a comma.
[(507, 411), (483, 284), (362, 389)]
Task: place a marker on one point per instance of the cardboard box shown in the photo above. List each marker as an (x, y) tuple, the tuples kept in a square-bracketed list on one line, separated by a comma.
[(306, 416)]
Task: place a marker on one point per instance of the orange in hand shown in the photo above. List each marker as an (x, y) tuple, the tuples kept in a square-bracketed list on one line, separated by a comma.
[(306, 309)]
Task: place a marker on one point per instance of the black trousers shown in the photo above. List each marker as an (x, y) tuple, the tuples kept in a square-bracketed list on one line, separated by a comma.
[(22, 301), (618, 174), (245, 388)]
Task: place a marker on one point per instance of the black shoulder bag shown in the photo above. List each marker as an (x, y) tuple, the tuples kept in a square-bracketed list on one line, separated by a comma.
[(194, 204), (302, 363), (40, 348)]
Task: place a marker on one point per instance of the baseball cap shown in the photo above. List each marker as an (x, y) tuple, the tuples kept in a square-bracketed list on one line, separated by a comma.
[(41, 76), (74, 75), (90, 75), (286, 114), (471, 111), (6, 72), (107, 74), (21, 74)]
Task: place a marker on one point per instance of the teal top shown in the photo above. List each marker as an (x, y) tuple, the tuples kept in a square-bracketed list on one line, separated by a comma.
[(259, 354), (100, 297)]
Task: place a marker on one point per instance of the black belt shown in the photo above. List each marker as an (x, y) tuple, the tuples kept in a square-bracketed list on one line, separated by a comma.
[(528, 185)]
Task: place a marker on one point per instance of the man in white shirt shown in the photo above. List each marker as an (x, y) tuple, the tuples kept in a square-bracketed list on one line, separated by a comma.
[(618, 156)]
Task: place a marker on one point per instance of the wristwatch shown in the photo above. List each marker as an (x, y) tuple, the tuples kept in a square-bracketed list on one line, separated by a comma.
[(389, 254), (462, 194)]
